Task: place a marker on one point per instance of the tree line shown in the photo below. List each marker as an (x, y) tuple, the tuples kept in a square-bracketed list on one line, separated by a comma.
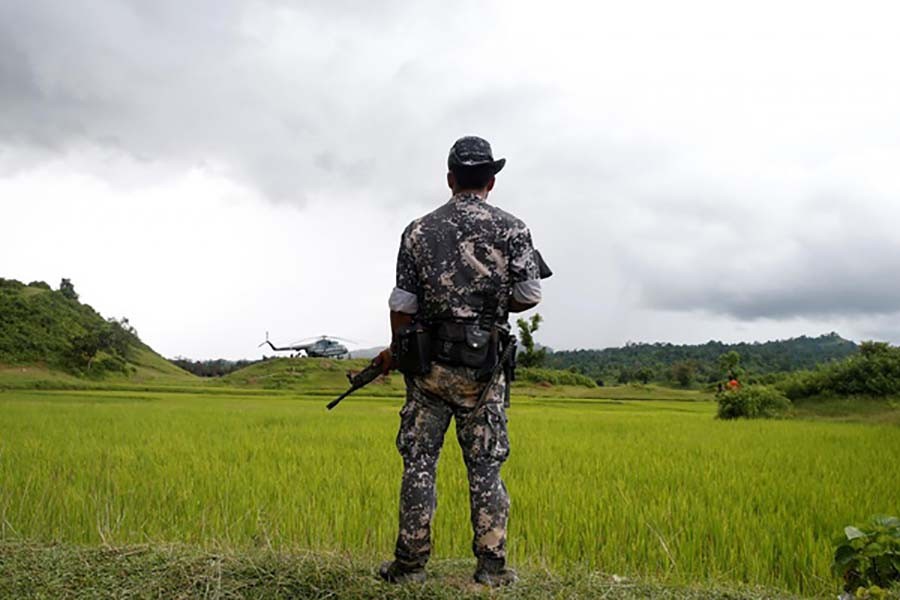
[(685, 365), (211, 368)]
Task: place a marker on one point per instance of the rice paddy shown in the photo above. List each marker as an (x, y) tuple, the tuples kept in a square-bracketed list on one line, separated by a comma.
[(652, 489)]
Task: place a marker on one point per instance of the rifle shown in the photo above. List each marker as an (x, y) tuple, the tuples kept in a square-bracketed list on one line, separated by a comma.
[(361, 379), (506, 364)]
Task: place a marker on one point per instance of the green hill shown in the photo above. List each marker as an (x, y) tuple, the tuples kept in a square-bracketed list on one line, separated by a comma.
[(757, 359), (47, 335), (308, 375), (327, 377)]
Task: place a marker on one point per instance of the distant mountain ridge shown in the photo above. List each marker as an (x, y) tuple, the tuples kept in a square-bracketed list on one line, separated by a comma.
[(757, 358)]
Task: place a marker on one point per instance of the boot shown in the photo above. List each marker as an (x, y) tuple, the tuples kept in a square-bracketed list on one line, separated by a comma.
[(396, 572), (493, 572)]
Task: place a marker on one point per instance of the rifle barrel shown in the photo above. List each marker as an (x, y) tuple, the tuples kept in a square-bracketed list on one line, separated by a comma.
[(337, 400)]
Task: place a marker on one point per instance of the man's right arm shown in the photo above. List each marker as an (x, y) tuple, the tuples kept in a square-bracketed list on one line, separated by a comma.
[(404, 304), (516, 307)]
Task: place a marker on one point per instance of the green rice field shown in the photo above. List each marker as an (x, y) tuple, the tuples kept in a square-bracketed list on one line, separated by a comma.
[(642, 488)]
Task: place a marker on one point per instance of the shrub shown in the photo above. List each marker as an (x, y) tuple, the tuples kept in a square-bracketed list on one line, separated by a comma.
[(67, 289), (13, 284), (554, 377), (875, 371), (868, 557), (752, 402)]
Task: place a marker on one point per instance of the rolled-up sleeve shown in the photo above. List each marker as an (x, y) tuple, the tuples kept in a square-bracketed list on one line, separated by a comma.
[(527, 292), (403, 302)]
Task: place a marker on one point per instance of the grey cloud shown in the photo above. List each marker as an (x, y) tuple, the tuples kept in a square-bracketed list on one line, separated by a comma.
[(883, 328), (797, 272), (189, 84)]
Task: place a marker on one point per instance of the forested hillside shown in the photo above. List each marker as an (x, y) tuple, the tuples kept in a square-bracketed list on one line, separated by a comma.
[(53, 329), (701, 363)]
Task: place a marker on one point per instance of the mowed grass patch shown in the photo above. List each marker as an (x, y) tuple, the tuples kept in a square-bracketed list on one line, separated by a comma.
[(653, 489), (65, 571)]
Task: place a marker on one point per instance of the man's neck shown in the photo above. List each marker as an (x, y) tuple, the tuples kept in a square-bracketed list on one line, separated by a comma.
[(480, 194)]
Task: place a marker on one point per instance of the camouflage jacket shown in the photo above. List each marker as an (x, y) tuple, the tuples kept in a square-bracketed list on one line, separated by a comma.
[(463, 258)]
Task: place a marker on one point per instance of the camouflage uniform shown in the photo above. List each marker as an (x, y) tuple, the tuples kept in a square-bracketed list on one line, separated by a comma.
[(457, 260)]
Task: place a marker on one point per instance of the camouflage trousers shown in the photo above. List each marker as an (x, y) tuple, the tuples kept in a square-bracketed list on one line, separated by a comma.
[(431, 402)]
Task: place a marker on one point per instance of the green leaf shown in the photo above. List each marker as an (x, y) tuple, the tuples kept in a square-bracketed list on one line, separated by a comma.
[(853, 533), (843, 555), (895, 562), (886, 521)]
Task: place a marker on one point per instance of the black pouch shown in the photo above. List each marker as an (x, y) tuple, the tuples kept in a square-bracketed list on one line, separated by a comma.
[(480, 348), (511, 361), (464, 344), (413, 350)]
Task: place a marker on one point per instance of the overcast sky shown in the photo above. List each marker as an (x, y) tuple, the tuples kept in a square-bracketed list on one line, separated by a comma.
[(691, 170)]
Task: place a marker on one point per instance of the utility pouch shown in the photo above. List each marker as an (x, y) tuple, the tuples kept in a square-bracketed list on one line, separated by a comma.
[(464, 344), (413, 350), (489, 357)]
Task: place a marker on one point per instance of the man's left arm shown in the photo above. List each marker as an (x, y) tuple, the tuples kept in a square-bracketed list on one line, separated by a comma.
[(525, 274)]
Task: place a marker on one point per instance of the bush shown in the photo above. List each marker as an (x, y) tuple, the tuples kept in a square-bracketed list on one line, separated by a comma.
[(554, 377), (868, 557), (109, 363), (752, 402), (875, 371)]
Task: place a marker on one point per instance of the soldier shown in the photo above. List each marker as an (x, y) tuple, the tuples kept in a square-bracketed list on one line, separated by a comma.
[(461, 270)]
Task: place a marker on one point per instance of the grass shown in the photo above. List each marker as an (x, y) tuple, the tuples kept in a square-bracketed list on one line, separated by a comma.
[(655, 490), (148, 370), (852, 409), (61, 571)]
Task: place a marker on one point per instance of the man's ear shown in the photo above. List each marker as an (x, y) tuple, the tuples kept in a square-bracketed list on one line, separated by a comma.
[(490, 184), (451, 180)]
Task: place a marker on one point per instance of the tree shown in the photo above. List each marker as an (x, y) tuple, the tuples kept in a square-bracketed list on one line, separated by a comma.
[(120, 337), (111, 341), (67, 289), (730, 364), (683, 373), (530, 357), (85, 347), (644, 375), (870, 349)]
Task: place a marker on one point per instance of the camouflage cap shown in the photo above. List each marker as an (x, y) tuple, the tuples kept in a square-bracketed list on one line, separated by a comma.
[(473, 151)]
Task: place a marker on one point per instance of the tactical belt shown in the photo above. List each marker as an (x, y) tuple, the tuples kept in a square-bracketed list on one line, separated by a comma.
[(467, 344), (455, 343)]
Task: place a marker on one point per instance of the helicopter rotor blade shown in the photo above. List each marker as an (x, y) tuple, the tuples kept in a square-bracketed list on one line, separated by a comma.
[(311, 338), (334, 337), (317, 338)]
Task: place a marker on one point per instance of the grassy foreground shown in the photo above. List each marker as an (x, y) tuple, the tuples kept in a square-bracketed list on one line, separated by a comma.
[(30, 571), (652, 490)]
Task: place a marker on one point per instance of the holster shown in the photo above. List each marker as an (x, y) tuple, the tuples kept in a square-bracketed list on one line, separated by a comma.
[(412, 349), (509, 367)]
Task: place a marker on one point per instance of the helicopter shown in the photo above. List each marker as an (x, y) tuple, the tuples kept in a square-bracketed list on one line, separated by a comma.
[(320, 347)]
